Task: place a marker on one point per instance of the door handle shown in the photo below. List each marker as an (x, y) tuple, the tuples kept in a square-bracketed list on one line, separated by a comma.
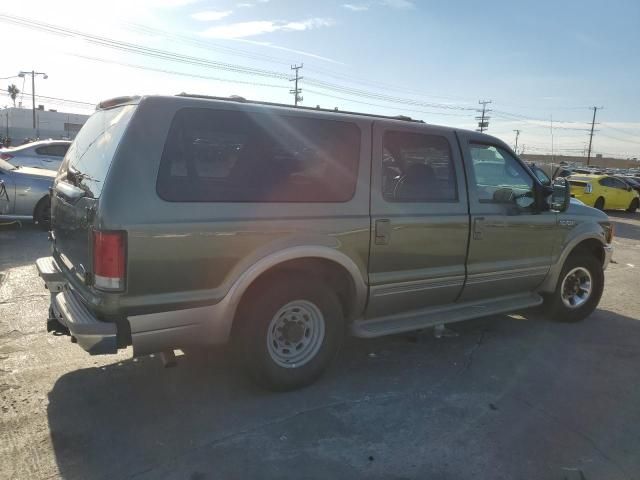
[(478, 223), (383, 231)]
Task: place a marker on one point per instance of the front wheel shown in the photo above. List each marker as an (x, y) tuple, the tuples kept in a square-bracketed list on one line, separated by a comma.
[(578, 290), (290, 330), (633, 206)]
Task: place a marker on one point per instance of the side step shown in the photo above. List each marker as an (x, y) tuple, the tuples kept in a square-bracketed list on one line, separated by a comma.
[(418, 319)]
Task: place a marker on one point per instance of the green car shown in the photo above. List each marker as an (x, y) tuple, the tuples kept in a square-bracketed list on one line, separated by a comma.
[(181, 221)]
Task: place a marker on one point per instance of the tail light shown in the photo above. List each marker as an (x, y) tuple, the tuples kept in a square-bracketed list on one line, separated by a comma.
[(588, 188), (6, 156), (109, 259)]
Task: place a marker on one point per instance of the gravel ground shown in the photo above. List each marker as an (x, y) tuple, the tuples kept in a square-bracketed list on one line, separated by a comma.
[(511, 397)]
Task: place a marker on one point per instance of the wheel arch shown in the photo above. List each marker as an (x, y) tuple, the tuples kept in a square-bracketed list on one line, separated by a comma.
[(591, 242), (37, 205), (332, 266)]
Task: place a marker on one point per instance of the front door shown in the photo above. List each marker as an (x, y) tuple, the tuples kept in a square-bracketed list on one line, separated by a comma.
[(511, 241), (419, 216)]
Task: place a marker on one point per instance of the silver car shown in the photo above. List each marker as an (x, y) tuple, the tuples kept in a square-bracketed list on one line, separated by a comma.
[(24, 194), (47, 154)]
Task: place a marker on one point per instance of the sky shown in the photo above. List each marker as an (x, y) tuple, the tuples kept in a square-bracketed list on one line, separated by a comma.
[(541, 63)]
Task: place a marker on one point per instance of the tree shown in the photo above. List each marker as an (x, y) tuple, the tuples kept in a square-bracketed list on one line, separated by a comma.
[(13, 92)]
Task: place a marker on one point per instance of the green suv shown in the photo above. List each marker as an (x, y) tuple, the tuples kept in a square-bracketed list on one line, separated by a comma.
[(180, 221)]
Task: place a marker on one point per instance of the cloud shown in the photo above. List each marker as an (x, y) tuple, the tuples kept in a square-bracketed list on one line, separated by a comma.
[(361, 7), (260, 27), (210, 15), (287, 49), (399, 4)]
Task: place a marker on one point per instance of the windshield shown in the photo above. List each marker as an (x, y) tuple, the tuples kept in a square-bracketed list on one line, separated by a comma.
[(87, 161)]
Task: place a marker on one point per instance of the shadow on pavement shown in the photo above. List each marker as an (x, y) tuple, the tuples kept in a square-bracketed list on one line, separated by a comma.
[(32, 241), (623, 226), (507, 398)]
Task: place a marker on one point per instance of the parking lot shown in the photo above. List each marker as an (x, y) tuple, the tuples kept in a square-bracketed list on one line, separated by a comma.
[(509, 397)]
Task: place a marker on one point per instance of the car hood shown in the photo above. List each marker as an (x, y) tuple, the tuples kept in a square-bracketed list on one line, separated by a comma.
[(37, 172)]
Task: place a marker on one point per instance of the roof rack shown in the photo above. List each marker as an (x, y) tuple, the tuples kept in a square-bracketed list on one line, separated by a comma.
[(239, 99)]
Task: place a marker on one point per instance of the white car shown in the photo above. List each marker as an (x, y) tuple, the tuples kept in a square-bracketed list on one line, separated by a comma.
[(47, 154)]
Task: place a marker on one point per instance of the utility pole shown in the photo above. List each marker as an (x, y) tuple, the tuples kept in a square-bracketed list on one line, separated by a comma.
[(517, 135), (593, 122), (296, 91), (483, 120), (33, 74)]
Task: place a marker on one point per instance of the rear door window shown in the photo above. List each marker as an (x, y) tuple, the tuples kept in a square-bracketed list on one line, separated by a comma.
[(232, 156), (417, 168), (91, 153)]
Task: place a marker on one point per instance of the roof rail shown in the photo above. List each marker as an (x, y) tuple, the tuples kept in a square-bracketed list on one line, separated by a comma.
[(237, 98)]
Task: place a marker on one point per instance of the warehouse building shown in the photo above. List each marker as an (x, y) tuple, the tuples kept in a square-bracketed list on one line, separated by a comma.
[(17, 124)]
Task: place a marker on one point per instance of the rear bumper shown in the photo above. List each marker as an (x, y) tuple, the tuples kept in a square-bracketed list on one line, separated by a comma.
[(93, 335), (148, 333)]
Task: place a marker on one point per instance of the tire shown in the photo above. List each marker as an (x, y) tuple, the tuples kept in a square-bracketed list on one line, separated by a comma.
[(573, 269), (633, 206), (283, 302), (599, 203), (42, 214)]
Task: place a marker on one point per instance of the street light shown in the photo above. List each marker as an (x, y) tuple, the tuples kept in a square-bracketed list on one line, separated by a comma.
[(33, 74)]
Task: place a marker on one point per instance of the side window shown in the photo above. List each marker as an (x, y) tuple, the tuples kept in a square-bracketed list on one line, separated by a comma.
[(43, 151), (606, 182), (53, 150), (417, 168), (231, 156), (58, 150), (619, 184), (500, 178)]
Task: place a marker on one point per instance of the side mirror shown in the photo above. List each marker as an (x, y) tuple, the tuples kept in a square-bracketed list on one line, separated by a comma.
[(561, 195)]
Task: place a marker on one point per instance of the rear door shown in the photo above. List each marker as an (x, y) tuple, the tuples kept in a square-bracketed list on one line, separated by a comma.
[(79, 184), (610, 193), (419, 216), (510, 247), (623, 195)]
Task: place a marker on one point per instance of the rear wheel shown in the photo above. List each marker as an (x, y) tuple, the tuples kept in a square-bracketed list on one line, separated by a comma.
[(42, 214), (290, 329), (578, 290), (633, 206), (599, 203)]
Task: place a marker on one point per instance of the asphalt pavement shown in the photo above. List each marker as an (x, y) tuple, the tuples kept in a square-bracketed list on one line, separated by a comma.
[(510, 397)]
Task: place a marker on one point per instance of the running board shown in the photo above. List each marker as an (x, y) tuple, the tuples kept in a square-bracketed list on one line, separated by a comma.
[(419, 319)]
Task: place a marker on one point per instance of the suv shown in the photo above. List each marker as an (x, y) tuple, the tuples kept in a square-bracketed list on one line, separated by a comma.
[(183, 221)]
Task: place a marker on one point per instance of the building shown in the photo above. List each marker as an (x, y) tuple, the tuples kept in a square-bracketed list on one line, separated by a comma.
[(17, 124)]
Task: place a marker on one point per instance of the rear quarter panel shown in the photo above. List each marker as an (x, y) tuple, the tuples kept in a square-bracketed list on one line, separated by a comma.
[(186, 254)]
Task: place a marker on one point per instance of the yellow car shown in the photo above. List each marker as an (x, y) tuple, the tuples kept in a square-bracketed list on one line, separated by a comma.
[(603, 191)]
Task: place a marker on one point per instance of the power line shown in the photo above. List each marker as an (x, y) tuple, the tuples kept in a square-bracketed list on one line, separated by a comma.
[(197, 61), (183, 74)]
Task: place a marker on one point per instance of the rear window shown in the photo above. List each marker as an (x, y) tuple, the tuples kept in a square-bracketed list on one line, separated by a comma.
[(89, 157), (577, 184), (231, 156)]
